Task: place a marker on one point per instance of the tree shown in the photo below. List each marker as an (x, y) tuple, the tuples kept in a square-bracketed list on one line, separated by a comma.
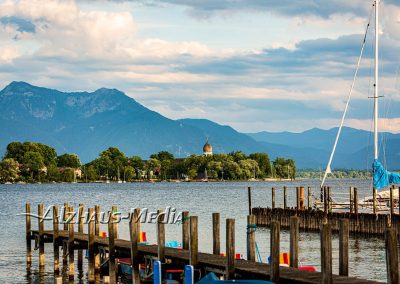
[(232, 170), (53, 174), (129, 173), (33, 162), (9, 170), (238, 156), (162, 156), (68, 161), (152, 166), (91, 173), (67, 175), (111, 160), (214, 169), (249, 168), (263, 162), (285, 168)]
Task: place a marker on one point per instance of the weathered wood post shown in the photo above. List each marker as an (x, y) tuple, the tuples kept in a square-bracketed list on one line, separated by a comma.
[(275, 249), (351, 199), (134, 227), (297, 198), (249, 198), (65, 228), (325, 204), (97, 216), (185, 229), (322, 195), (230, 249), (111, 249), (329, 201), (392, 261), (294, 241), (115, 217), (194, 241), (216, 234), (309, 198), (374, 200), (301, 196), (273, 198), (284, 197), (28, 237), (251, 237), (56, 250), (65, 216), (161, 235), (326, 254), (344, 247), (91, 235), (97, 220), (80, 231), (41, 236), (71, 240), (391, 202), (355, 202)]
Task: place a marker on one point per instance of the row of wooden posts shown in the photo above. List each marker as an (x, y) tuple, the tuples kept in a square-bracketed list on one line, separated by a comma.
[(189, 242), (325, 198)]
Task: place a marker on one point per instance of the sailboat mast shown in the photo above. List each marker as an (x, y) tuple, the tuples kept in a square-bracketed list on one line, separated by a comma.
[(376, 95)]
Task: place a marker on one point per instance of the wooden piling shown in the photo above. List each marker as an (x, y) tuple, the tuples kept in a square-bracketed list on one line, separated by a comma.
[(71, 240), (28, 237), (294, 241), (251, 237), (56, 250), (230, 249), (351, 199), (273, 201), (298, 198), (284, 197), (65, 216), (326, 254), (41, 235), (325, 203), (275, 250), (194, 241), (161, 235), (392, 261), (392, 202), (134, 227), (322, 195), (374, 200), (301, 197), (344, 247), (356, 202), (115, 223), (216, 234), (329, 201), (309, 198), (97, 220), (97, 216), (185, 229), (112, 266), (65, 228), (249, 198), (91, 248), (80, 230)]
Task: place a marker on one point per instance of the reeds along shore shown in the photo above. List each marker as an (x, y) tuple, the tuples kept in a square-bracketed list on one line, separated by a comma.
[(227, 266)]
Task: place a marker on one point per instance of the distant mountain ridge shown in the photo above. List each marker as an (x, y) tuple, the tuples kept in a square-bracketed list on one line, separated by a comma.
[(86, 123)]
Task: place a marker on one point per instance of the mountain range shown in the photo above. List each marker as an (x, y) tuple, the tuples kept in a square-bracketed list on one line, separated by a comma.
[(87, 123)]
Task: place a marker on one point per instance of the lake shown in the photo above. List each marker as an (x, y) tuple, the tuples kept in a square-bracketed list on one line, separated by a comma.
[(367, 255)]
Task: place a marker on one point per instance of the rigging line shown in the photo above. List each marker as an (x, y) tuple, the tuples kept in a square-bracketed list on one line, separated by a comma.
[(367, 158), (328, 167)]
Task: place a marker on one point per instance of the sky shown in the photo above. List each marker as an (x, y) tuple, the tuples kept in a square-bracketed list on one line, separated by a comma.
[(256, 65)]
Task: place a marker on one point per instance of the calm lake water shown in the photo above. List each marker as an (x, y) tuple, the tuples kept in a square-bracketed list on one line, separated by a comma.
[(367, 255)]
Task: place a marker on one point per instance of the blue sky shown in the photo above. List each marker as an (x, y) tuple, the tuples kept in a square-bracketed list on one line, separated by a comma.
[(255, 65)]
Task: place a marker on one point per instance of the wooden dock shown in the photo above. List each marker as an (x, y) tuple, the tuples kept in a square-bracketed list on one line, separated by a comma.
[(75, 241)]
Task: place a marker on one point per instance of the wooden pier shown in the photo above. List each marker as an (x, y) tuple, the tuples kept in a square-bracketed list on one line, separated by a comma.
[(75, 241)]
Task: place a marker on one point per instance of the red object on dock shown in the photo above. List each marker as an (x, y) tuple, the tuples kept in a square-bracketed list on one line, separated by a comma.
[(307, 268)]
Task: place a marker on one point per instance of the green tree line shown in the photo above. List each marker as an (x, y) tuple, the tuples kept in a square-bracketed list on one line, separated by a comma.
[(36, 162)]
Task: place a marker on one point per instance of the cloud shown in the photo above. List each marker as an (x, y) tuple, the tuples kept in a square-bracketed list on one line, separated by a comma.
[(304, 84), (320, 8)]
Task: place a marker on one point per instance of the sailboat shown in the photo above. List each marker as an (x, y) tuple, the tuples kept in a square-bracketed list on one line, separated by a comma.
[(381, 177)]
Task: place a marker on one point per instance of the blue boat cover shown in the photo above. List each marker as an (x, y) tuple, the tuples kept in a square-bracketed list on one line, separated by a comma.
[(382, 177)]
